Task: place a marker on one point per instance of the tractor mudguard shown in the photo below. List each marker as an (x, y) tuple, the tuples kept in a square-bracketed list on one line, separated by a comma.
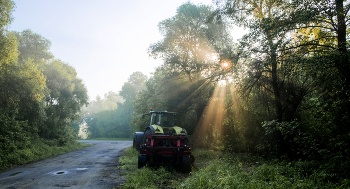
[(138, 139), (151, 128)]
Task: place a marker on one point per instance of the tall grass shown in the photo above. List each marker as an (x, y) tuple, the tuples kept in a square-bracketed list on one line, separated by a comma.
[(214, 169), (37, 150), (230, 174)]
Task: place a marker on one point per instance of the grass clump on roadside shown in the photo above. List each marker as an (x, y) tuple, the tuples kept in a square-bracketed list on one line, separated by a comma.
[(37, 150), (129, 159), (157, 177)]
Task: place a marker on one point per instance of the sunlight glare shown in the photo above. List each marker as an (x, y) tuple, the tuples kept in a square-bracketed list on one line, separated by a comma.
[(225, 64), (222, 82)]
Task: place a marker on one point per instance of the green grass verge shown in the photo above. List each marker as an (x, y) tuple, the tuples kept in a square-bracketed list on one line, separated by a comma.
[(37, 150), (159, 177), (155, 177), (223, 173), (214, 169), (120, 139)]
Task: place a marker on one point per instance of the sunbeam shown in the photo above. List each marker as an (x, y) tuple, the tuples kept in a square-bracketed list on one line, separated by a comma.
[(213, 115)]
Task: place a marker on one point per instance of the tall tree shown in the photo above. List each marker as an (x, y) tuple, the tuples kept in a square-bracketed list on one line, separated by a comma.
[(67, 95), (266, 50), (22, 90), (33, 46), (190, 42)]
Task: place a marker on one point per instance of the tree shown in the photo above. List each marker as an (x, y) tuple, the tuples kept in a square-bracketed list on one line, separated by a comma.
[(8, 43), (33, 46), (137, 80), (191, 49), (21, 94), (67, 95), (134, 84), (190, 42), (269, 23)]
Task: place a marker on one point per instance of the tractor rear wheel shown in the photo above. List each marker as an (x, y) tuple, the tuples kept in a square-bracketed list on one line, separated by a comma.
[(145, 135), (134, 142)]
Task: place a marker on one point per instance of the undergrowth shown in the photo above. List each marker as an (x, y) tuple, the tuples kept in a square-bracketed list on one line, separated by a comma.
[(37, 150), (214, 169)]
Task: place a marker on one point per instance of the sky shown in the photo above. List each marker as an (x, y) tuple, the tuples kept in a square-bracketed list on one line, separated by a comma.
[(104, 40)]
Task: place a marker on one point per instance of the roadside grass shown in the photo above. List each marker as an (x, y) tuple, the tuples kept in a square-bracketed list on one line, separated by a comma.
[(37, 150), (159, 176), (225, 173), (214, 169), (119, 139)]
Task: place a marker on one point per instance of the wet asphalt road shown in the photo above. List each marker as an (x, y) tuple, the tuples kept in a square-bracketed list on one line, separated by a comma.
[(91, 167)]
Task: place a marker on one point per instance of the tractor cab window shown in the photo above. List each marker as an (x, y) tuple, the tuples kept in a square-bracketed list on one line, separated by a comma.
[(164, 119)]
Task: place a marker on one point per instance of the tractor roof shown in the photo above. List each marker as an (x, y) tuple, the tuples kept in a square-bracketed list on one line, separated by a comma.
[(162, 112)]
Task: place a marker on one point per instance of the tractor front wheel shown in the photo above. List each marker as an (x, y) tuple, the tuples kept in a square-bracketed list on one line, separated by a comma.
[(186, 164), (142, 161)]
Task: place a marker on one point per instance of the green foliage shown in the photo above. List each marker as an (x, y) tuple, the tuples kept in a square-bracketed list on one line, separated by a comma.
[(28, 82), (109, 102), (217, 170), (225, 173), (6, 18), (294, 95), (148, 178), (67, 95), (109, 124), (190, 42), (206, 156), (37, 150), (33, 46), (129, 159)]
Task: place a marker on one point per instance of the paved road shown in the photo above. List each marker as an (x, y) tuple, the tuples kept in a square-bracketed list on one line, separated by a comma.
[(91, 167)]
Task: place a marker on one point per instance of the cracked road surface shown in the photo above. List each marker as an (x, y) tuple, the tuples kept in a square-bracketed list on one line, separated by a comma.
[(91, 167)]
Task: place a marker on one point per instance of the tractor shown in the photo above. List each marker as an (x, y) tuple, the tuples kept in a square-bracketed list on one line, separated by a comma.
[(163, 143)]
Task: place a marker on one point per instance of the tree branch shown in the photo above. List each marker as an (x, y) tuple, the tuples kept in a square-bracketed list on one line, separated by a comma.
[(308, 44), (305, 27)]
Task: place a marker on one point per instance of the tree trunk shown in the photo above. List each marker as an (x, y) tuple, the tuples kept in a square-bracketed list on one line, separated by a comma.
[(343, 63), (276, 91)]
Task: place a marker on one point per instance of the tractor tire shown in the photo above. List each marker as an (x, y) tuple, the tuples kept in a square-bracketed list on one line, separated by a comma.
[(186, 160), (145, 135), (186, 164), (134, 142), (142, 161)]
